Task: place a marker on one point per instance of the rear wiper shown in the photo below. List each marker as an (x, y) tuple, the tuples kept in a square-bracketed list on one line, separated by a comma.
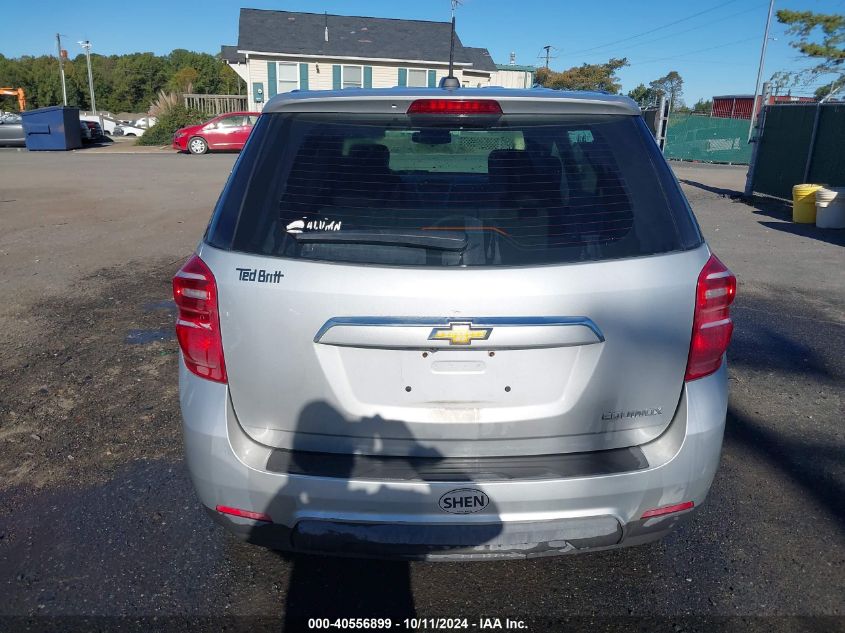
[(439, 240)]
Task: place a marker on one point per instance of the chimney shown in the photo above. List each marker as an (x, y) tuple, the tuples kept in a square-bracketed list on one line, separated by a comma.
[(326, 35)]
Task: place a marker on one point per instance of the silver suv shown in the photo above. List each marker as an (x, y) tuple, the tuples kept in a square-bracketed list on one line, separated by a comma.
[(452, 324)]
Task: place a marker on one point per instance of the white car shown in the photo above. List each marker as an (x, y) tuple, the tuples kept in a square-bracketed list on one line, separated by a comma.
[(130, 129), (108, 124)]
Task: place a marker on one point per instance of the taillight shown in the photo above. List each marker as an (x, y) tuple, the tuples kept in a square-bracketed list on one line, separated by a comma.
[(712, 325), (245, 514), (455, 106), (197, 322), (659, 512)]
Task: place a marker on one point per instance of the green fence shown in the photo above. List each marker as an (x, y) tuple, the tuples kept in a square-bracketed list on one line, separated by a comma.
[(709, 139), (787, 142)]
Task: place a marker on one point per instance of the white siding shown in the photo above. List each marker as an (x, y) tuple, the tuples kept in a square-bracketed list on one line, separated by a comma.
[(320, 74), (473, 79), (512, 78), (257, 72), (241, 70), (385, 75)]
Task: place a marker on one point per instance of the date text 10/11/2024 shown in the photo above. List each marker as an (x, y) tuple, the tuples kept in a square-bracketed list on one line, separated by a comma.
[(418, 624)]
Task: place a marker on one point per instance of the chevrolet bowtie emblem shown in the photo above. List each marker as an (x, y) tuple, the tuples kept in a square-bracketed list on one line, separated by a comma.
[(460, 333)]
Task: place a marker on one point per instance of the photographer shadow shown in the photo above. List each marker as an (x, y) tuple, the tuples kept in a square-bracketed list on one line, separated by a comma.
[(367, 574)]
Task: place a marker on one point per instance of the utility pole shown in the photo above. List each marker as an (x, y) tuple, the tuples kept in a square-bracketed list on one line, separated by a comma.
[(760, 70), (87, 46), (547, 48), (61, 67)]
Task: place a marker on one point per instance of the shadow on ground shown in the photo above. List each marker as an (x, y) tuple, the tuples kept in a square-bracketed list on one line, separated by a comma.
[(721, 191), (781, 210), (794, 342)]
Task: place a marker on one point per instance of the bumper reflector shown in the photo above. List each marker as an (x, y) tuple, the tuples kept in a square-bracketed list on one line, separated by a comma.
[(244, 514), (656, 512)]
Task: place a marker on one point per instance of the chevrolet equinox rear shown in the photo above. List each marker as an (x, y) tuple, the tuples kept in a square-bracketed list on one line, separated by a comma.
[(452, 324)]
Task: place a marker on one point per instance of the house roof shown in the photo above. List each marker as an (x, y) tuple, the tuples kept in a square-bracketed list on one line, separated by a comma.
[(480, 58), (293, 32), (231, 55), (516, 67)]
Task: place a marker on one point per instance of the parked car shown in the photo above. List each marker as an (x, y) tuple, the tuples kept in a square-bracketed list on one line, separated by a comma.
[(108, 124), (94, 128), (11, 130), (127, 129), (224, 132), (452, 324), (85, 132)]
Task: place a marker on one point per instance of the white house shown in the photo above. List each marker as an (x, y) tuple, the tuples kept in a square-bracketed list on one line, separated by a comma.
[(279, 51), (513, 76)]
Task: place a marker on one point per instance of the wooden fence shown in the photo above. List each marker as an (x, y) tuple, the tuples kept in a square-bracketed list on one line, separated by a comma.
[(216, 104)]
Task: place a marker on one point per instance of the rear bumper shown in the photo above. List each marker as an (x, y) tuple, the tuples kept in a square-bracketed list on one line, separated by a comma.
[(404, 519)]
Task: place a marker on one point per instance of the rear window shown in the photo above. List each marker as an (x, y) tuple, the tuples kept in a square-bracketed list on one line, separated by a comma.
[(451, 191)]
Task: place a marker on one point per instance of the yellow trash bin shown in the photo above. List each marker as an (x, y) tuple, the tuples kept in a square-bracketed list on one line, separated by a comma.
[(804, 203)]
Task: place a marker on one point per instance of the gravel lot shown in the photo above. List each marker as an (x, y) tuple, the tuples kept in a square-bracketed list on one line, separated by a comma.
[(99, 526)]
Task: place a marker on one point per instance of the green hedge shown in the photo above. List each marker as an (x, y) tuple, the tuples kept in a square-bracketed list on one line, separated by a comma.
[(177, 117)]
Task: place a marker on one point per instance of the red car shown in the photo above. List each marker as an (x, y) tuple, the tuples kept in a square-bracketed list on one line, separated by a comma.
[(225, 132)]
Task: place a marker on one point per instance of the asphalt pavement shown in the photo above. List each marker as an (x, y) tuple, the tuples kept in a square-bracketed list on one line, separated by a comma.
[(100, 528)]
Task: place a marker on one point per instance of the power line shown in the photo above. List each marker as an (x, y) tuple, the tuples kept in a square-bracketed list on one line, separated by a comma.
[(695, 28), (657, 28), (547, 54), (700, 50)]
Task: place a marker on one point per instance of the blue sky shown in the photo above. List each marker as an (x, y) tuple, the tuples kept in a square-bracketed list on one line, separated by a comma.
[(714, 44)]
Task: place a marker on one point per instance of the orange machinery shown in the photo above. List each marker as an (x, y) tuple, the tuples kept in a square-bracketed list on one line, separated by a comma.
[(16, 92)]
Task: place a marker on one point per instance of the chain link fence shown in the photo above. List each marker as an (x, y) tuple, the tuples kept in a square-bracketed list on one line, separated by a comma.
[(708, 139), (800, 144)]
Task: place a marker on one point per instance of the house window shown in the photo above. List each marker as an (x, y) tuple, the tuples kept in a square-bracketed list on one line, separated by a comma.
[(353, 77), (288, 76), (417, 78)]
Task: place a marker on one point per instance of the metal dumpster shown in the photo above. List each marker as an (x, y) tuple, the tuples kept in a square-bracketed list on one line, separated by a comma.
[(53, 128)]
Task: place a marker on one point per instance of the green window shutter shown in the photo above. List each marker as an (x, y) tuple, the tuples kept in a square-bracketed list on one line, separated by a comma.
[(336, 85), (303, 76), (272, 84), (368, 76), (432, 79), (403, 77)]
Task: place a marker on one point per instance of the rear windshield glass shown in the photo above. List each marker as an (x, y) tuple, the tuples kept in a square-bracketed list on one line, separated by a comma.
[(451, 191)]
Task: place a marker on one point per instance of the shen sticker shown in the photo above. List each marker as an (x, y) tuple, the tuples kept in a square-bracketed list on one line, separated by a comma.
[(260, 275)]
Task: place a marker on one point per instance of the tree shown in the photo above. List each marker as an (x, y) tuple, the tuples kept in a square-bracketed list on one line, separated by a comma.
[(780, 82), (833, 87), (703, 105), (183, 80), (671, 86), (829, 52), (121, 82), (644, 96), (584, 77)]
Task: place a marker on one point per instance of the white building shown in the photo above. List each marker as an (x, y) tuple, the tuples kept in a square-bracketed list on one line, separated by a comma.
[(279, 51), (513, 76)]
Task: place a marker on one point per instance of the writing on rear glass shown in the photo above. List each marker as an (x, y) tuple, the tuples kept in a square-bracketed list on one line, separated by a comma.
[(325, 224)]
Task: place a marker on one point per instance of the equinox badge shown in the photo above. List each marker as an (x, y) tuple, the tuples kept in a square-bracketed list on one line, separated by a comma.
[(460, 333)]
